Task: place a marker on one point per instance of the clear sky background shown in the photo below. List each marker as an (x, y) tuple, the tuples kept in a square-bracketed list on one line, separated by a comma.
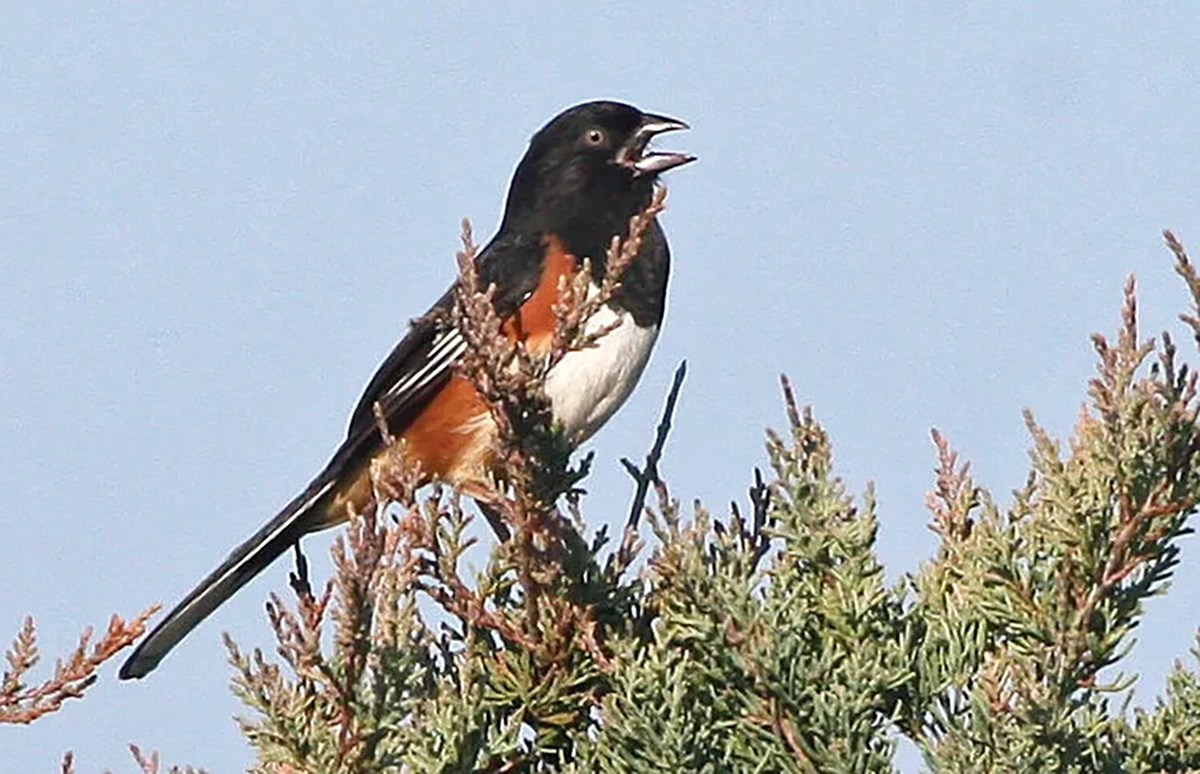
[(215, 221)]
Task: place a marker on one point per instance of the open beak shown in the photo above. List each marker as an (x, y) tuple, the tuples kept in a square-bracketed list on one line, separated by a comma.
[(634, 156)]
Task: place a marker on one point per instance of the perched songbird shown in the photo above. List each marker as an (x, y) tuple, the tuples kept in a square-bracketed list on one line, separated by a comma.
[(584, 175)]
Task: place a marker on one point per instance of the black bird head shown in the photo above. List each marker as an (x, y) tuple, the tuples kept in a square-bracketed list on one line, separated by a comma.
[(587, 172)]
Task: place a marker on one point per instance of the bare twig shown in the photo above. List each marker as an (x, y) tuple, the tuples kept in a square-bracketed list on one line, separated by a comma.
[(298, 578), (753, 534), (646, 476), (750, 534)]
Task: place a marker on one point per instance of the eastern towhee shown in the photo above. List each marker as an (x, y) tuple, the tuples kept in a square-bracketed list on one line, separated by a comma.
[(584, 175)]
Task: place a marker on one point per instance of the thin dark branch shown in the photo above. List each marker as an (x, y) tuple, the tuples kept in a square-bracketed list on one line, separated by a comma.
[(298, 579), (751, 533), (495, 518), (647, 475), (760, 499)]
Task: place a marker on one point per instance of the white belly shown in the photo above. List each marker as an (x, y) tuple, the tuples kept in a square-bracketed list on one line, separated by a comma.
[(587, 386)]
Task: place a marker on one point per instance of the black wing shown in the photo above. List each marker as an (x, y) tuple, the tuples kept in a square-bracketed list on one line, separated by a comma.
[(422, 361), (425, 358)]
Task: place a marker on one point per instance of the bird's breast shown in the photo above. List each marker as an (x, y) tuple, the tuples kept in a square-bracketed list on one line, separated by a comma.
[(588, 385)]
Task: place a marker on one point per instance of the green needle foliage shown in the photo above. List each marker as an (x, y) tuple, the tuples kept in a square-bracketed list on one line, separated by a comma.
[(766, 639)]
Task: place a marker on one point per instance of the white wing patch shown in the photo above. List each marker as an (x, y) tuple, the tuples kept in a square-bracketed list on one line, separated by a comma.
[(447, 347)]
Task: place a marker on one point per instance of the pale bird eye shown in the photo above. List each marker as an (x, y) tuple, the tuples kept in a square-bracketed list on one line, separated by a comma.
[(595, 137)]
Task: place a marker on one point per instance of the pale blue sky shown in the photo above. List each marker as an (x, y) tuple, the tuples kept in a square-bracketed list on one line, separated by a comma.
[(215, 221)]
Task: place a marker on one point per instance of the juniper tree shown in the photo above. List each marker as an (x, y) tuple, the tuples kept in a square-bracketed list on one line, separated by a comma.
[(763, 639), (766, 638)]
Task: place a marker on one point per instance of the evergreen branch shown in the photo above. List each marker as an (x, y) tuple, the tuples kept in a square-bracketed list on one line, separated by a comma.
[(22, 703), (1187, 270)]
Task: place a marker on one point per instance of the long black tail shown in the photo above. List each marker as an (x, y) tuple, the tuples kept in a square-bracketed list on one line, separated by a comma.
[(307, 513)]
